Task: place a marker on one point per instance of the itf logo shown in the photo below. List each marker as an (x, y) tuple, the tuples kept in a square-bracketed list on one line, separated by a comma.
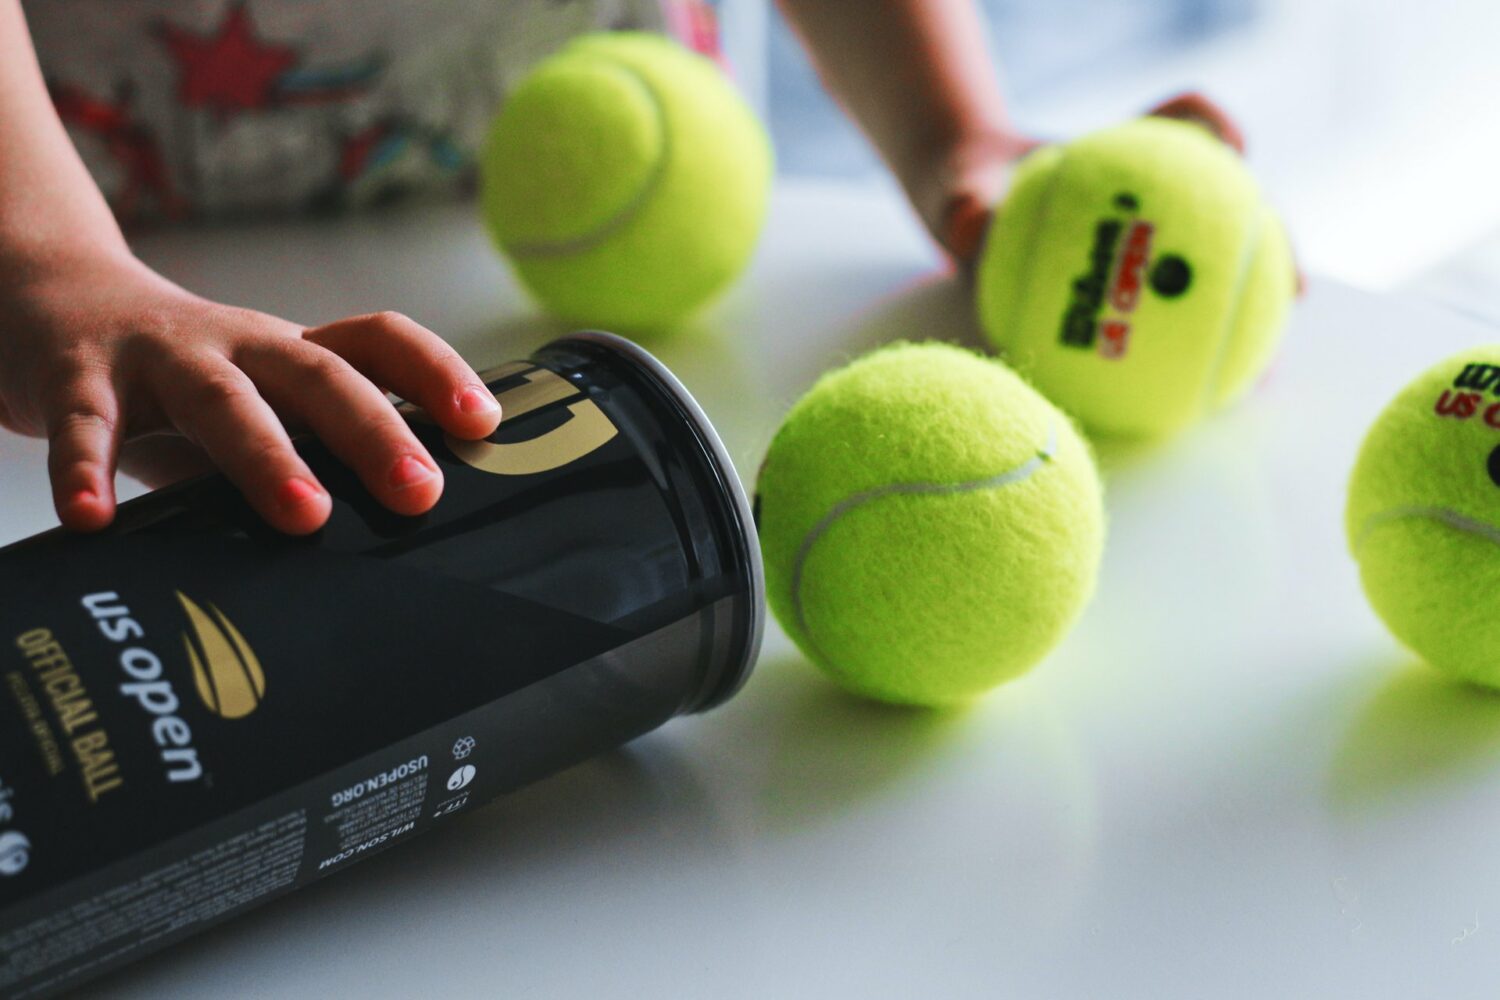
[(15, 853)]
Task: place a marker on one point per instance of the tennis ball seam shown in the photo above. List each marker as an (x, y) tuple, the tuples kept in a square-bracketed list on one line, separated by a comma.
[(627, 212), (1210, 388), (1442, 515), (1024, 471)]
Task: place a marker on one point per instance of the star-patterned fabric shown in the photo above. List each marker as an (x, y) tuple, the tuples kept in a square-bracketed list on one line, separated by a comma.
[(228, 70), (222, 108)]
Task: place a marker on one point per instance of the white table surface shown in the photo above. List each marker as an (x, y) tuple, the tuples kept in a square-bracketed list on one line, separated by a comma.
[(1228, 782)]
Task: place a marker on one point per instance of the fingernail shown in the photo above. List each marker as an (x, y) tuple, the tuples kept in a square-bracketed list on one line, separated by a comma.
[(967, 223), (475, 400), (296, 492), (410, 472)]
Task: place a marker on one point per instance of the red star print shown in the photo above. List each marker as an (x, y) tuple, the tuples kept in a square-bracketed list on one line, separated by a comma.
[(229, 71)]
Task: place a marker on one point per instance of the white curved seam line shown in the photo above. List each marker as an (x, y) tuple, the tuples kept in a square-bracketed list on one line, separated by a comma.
[(1452, 518), (811, 539), (1226, 335), (618, 221)]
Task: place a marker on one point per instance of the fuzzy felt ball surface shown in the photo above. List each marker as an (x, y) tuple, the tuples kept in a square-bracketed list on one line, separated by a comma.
[(931, 525), (1423, 517), (1136, 276), (626, 182)]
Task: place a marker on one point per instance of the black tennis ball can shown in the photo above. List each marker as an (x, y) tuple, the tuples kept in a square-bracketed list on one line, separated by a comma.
[(198, 714)]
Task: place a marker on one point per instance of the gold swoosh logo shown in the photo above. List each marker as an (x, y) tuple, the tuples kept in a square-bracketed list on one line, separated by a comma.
[(226, 672)]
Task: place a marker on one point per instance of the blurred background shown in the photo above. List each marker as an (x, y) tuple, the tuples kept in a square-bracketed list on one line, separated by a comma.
[(1373, 124)]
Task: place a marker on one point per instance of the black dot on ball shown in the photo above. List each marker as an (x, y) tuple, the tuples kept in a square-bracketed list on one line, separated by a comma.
[(1171, 276), (1495, 466), (1127, 201), (755, 510)]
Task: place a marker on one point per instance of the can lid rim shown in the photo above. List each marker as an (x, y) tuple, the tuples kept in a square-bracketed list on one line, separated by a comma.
[(720, 455)]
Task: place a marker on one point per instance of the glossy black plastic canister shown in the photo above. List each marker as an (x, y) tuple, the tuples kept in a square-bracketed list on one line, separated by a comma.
[(198, 714)]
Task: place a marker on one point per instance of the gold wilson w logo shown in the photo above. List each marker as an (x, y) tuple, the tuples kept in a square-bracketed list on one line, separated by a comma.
[(225, 670), (585, 430)]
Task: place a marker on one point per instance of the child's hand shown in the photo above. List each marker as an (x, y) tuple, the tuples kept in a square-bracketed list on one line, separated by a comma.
[(1195, 107), (965, 185), (963, 189), (96, 352)]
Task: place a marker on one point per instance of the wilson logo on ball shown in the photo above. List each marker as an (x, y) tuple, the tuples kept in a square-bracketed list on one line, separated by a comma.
[(1481, 378), (1465, 399), (1107, 294), (226, 672)]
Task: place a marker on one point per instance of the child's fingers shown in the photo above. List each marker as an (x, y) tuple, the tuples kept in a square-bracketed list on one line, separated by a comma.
[(163, 459), (958, 196), (216, 405), (416, 364), (965, 224), (82, 439), (1196, 107), (351, 416)]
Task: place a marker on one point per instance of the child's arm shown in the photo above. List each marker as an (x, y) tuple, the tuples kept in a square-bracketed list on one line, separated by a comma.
[(916, 76), (96, 348)]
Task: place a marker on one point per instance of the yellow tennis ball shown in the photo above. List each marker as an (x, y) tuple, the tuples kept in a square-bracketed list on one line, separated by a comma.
[(931, 525), (1423, 518), (1136, 276), (626, 181)]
